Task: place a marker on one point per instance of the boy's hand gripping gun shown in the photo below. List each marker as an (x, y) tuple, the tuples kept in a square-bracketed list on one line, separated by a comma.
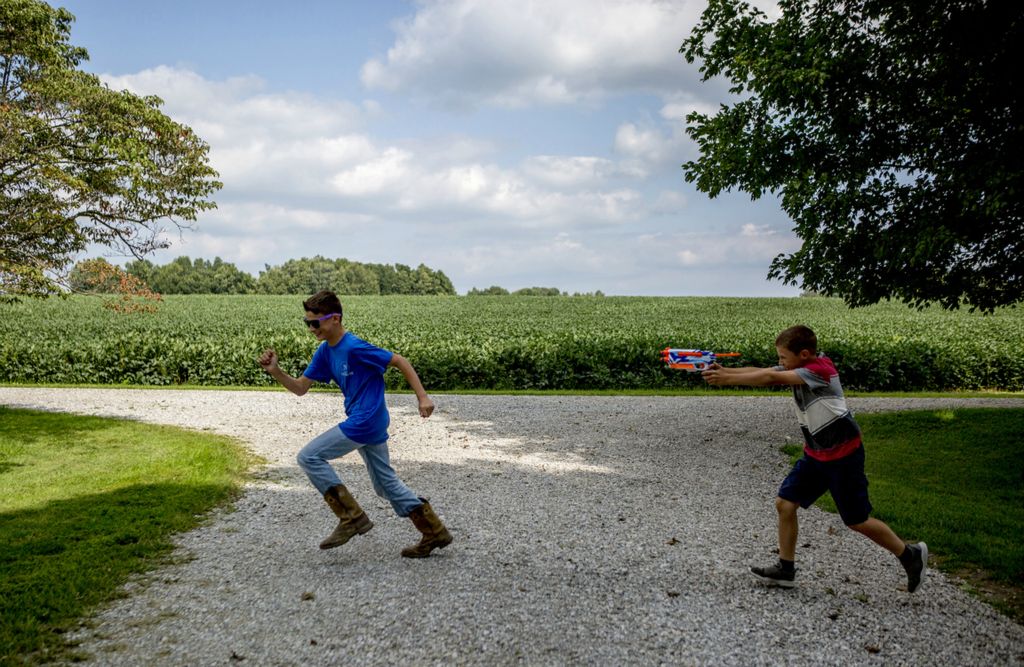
[(692, 361)]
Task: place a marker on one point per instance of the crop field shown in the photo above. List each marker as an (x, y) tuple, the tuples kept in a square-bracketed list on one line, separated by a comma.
[(507, 342)]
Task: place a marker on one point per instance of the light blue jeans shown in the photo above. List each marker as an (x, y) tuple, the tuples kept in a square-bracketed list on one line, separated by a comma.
[(333, 444)]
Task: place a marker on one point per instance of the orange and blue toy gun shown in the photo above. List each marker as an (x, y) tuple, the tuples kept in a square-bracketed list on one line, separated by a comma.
[(692, 361)]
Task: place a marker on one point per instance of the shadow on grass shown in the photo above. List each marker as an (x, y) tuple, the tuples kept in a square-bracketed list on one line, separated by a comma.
[(40, 429), (62, 560)]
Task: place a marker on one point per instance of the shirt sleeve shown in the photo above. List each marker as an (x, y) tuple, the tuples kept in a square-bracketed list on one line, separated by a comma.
[(811, 379), (319, 370), (371, 355)]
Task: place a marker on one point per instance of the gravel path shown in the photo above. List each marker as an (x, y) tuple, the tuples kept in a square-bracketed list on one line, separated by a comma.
[(589, 530)]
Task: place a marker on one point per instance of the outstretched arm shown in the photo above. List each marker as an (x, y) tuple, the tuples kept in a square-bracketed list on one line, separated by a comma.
[(298, 386), (402, 364), (749, 376)]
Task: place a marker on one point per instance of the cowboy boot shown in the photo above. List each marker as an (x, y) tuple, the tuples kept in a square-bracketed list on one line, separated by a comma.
[(352, 520), (435, 535)]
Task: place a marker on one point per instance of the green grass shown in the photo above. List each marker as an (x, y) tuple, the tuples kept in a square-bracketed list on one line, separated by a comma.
[(955, 479), (85, 502)]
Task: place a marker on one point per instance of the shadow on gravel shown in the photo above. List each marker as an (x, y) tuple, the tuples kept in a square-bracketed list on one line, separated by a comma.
[(62, 560), (611, 431)]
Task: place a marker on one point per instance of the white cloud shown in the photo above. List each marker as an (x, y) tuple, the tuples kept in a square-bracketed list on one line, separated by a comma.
[(264, 154), (234, 250), (751, 230), (669, 202), (472, 52), (750, 245), (259, 142), (653, 148), (227, 111), (568, 172), (540, 257), (639, 142), (663, 262), (376, 175)]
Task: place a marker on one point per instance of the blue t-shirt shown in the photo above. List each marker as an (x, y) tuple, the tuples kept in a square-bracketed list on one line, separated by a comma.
[(358, 369)]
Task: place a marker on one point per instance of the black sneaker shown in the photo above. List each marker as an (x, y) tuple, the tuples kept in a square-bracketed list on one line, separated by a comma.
[(774, 575), (917, 568)]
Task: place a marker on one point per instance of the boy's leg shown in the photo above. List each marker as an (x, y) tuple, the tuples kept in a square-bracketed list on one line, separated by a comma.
[(788, 528), (881, 534), (406, 503), (386, 481), (801, 487), (313, 459), (849, 488), (913, 557), (782, 573)]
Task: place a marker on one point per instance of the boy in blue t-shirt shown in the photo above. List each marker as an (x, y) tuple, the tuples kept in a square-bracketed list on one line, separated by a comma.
[(357, 367), (833, 458)]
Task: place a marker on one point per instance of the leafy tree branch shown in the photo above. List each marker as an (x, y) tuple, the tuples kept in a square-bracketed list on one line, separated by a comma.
[(892, 132), (82, 164)]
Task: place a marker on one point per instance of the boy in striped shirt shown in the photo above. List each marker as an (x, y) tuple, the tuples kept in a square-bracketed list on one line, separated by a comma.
[(833, 455)]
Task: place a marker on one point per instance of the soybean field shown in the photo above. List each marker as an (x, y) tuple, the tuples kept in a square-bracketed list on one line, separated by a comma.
[(507, 342)]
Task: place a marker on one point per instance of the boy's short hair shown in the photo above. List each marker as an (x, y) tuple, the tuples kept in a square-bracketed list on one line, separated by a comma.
[(798, 338), (323, 302)]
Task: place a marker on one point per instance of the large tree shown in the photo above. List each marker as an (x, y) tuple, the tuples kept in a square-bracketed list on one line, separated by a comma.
[(893, 132), (81, 164)]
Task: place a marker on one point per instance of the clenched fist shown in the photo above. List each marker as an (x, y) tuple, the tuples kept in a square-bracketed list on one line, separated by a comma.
[(268, 360)]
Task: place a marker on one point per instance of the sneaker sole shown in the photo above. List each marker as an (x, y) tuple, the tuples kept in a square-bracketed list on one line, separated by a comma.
[(777, 583)]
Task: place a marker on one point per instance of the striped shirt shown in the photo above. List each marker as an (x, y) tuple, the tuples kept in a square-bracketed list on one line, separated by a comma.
[(829, 429)]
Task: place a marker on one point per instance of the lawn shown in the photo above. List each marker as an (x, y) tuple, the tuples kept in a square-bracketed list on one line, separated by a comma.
[(85, 502), (955, 479)]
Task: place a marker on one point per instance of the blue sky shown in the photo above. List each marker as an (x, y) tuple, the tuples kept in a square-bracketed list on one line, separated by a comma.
[(535, 143)]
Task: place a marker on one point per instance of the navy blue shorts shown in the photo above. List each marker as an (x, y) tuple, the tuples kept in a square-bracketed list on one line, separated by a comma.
[(844, 478)]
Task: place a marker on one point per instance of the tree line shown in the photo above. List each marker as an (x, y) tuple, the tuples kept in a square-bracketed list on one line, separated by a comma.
[(495, 290), (295, 276)]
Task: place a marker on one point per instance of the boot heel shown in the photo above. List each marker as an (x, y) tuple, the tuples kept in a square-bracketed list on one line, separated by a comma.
[(364, 529)]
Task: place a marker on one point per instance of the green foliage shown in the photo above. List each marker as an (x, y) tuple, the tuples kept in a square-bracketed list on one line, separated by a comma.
[(81, 164), (401, 279), (86, 502), (308, 276), (493, 290), (538, 291), (508, 342), (296, 276), (341, 276), (893, 132), (185, 276)]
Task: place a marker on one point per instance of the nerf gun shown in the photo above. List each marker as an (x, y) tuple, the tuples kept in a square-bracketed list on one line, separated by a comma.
[(692, 361)]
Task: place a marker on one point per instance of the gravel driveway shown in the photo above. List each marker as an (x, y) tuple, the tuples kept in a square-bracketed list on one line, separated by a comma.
[(588, 530)]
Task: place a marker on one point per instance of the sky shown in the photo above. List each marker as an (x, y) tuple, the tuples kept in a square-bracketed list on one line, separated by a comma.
[(519, 144)]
